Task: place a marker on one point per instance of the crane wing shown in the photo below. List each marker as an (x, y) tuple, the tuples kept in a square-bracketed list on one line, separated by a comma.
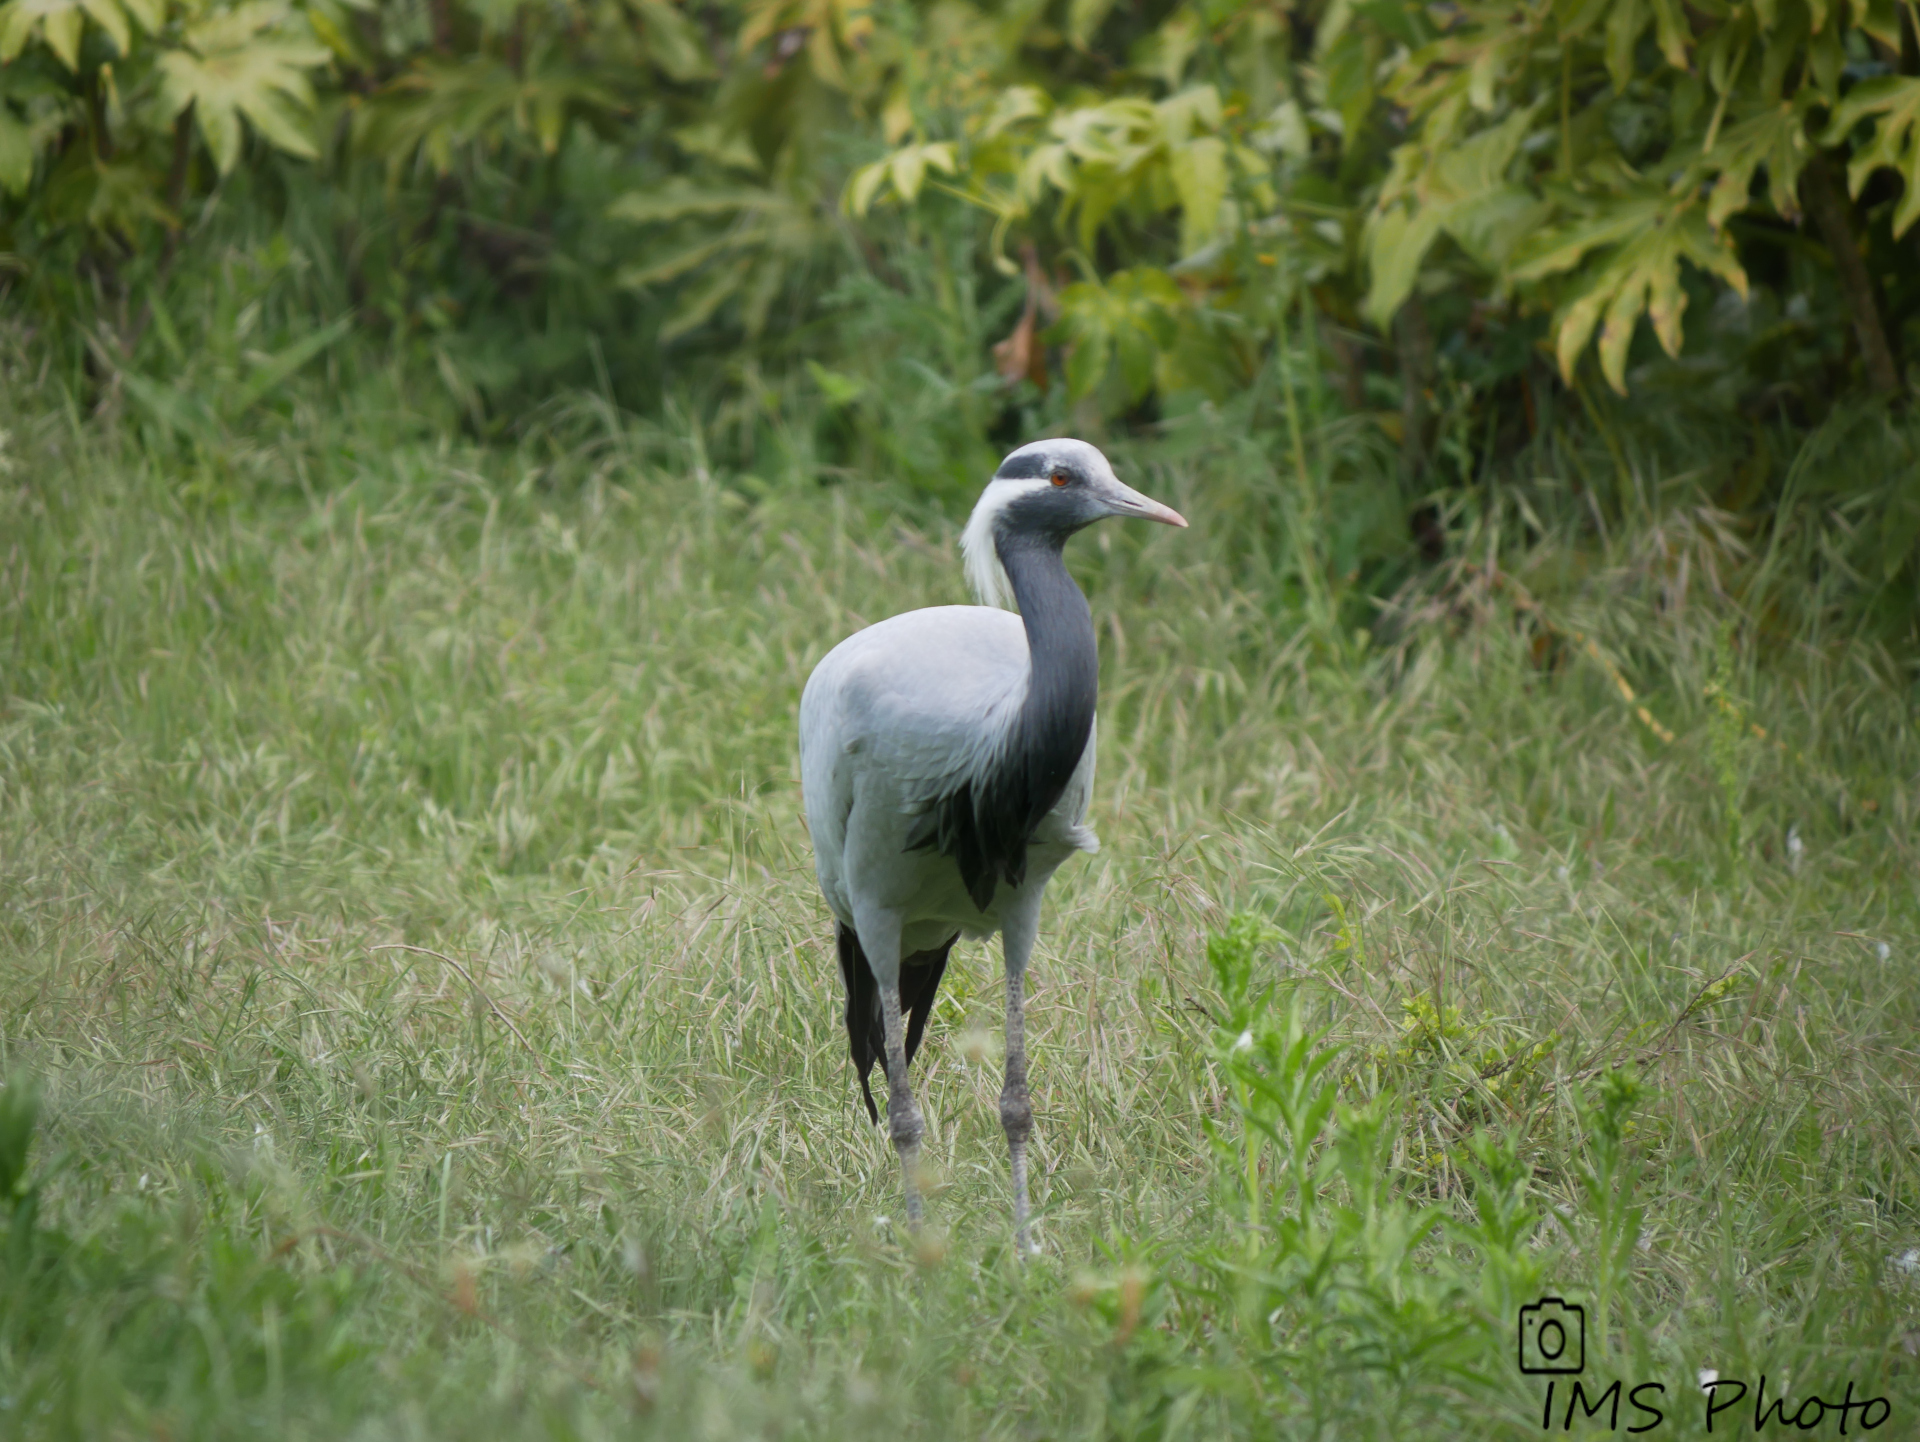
[(913, 715)]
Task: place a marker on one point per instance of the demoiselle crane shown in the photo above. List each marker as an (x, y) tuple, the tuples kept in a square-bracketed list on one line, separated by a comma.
[(947, 758)]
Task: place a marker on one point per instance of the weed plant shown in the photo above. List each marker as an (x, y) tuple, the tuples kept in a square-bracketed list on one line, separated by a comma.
[(420, 1019)]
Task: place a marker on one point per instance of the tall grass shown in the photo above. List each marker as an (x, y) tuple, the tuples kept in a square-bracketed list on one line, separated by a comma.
[(409, 922)]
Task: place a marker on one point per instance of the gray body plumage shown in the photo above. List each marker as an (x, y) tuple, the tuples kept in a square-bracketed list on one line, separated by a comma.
[(897, 717)]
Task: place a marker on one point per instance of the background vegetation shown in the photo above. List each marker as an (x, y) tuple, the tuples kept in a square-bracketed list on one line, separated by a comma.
[(437, 439), (861, 239)]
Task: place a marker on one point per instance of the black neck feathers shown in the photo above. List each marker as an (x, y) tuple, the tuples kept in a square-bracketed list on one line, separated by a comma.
[(1056, 717), (986, 824)]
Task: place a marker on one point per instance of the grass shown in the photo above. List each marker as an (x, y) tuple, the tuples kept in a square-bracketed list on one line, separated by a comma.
[(409, 926)]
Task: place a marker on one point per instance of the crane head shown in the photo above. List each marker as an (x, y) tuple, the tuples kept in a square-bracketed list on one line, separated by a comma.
[(1048, 489)]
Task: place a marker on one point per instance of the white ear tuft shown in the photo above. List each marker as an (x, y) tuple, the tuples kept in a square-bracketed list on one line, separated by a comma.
[(985, 574)]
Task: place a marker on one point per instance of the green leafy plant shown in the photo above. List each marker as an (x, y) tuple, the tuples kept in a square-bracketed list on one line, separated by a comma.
[(1583, 157), (1607, 1176), (1335, 1284), (100, 103)]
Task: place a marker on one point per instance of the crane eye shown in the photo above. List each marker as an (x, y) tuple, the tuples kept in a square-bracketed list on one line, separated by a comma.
[(1060, 478)]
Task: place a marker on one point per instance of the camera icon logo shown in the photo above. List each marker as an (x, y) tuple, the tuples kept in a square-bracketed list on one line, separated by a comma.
[(1553, 1338)]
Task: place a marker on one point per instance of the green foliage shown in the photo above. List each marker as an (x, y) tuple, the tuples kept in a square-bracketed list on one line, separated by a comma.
[(1581, 160), (1235, 956), (1893, 104), (1608, 1176), (1338, 1302), (91, 138), (232, 64), (1427, 1033), (1619, 162), (1195, 211)]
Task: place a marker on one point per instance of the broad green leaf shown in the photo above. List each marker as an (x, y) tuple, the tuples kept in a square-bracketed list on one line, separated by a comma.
[(1013, 105), (1193, 111), (219, 127), (698, 308), (1557, 250), (719, 142), (906, 169), (1478, 165), (1490, 226), (1124, 322), (679, 264), (61, 30), (1200, 175), (1285, 131), (113, 196), (234, 28), (549, 113), (1045, 165), (1775, 138), (1672, 31), (908, 166), (825, 59), (672, 41), (1880, 19), (675, 201), (1165, 54), (277, 368), (1462, 187), (1724, 51), (1397, 241), (1625, 21), (1643, 277), (1104, 133), (61, 22), (234, 65), (1827, 62), (1577, 17), (443, 104), (853, 22), (16, 153), (1893, 102), (838, 390), (1783, 54), (337, 37), (896, 116), (1484, 76), (16, 28), (1084, 17), (763, 18), (864, 186), (108, 15), (1409, 25), (1348, 67)]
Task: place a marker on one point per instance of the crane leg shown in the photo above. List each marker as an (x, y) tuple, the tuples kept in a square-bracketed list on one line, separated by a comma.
[(1016, 1109), (903, 1116), (879, 932)]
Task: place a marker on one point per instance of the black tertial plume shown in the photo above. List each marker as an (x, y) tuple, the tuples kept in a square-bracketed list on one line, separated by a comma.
[(920, 976)]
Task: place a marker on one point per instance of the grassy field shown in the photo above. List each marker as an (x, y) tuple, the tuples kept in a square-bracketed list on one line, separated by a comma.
[(407, 921)]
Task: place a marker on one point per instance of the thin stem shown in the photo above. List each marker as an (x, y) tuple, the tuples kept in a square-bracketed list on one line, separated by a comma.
[(1566, 105), (1720, 109)]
